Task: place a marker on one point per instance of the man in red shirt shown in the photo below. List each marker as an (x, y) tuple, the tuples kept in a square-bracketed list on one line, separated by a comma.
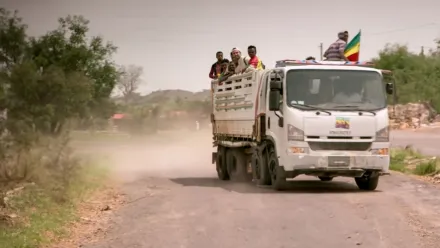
[(216, 67), (254, 61)]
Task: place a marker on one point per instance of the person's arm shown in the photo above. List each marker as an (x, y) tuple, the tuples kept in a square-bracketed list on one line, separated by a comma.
[(212, 73), (246, 64), (342, 50)]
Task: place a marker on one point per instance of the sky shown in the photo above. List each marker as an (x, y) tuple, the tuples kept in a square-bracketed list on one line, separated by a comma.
[(176, 41)]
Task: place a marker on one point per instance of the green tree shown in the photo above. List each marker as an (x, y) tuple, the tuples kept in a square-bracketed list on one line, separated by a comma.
[(45, 100), (417, 76), (47, 80), (13, 38), (68, 48)]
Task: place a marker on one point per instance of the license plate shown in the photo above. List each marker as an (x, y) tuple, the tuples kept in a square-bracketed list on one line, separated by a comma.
[(338, 161)]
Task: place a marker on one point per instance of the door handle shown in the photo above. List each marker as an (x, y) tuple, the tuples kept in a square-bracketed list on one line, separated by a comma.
[(268, 122)]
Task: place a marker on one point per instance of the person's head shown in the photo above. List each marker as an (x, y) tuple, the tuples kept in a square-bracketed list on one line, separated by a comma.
[(219, 56), (252, 51), (310, 58), (231, 66), (236, 54), (225, 64), (343, 36)]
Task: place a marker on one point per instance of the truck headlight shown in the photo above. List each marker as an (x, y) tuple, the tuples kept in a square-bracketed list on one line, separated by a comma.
[(383, 135), (294, 134)]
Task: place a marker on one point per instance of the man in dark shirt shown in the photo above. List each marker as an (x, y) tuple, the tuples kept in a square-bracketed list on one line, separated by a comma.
[(216, 67)]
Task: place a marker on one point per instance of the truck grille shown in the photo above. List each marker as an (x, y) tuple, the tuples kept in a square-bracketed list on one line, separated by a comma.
[(339, 146)]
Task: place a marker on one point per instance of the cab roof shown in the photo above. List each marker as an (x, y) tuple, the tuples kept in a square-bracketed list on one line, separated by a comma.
[(328, 65)]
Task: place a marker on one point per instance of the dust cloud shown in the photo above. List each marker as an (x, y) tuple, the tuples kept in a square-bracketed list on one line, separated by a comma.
[(167, 154)]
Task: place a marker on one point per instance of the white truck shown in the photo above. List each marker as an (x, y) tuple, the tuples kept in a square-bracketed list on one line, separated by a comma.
[(323, 119)]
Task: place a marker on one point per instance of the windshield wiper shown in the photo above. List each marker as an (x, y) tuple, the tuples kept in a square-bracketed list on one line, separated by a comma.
[(312, 107), (356, 108)]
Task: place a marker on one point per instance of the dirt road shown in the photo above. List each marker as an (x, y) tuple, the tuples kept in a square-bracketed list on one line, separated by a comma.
[(175, 200)]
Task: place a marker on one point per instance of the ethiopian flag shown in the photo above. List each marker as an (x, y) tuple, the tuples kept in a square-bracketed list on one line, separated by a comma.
[(353, 47)]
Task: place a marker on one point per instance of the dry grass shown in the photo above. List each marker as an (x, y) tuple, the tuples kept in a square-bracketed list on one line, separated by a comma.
[(410, 161), (51, 181)]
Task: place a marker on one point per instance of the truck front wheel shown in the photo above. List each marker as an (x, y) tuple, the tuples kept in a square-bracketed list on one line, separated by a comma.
[(277, 175), (220, 164), (368, 183)]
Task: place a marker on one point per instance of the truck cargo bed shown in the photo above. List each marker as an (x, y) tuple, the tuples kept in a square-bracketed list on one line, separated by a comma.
[(234, 104)]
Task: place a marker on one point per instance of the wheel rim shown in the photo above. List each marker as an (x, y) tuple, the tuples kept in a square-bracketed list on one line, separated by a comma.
[(272, 167), (220, 165), (233, 165), (257, 168)]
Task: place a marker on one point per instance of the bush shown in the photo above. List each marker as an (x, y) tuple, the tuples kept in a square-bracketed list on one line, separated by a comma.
[(409, 160), (48, 163), (416, 75), (426, 168)]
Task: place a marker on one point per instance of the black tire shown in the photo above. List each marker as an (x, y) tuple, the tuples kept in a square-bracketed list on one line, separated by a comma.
[(236, 164), (260, 169), (367, 183), (220, 164), (325, 179), (277, 175)]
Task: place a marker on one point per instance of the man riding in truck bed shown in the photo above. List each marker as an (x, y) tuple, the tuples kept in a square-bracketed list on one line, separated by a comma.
[(335, 52)]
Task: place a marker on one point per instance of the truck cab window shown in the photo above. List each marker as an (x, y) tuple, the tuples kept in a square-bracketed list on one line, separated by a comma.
[(335, 89)]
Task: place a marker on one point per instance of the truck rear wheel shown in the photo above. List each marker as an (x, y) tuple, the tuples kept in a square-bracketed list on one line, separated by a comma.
[(368, 183), (236, 164), (278, 178), (220, 163), (260, 169)]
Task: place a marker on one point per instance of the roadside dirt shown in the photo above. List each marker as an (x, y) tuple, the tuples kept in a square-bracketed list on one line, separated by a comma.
[(94, 218), (173, 199)]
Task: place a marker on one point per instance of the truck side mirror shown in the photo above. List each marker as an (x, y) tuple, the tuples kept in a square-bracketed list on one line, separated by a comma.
[(389, 88), (274, 100)]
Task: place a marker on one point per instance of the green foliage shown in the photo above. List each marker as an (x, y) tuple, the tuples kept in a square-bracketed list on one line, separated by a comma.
[(68, 48), (13, 38), (397, 162), (46, 81), (45, 100), (410, 161), (426, 168), (417, 76)]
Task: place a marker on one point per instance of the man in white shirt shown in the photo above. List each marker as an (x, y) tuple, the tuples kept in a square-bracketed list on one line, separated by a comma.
[(347, 97), (239, 60), (349, 91)]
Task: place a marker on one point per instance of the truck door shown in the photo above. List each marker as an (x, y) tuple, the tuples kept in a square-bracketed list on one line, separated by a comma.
[(275, 122), (263, 93)]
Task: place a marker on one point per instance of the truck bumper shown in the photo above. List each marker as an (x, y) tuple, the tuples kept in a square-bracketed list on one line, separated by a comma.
[(353, 165)]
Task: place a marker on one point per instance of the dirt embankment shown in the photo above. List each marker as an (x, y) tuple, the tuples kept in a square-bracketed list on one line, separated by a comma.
[(412, 115)]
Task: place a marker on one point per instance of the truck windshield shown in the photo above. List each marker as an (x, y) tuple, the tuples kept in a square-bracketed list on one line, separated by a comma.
[(343, 90)]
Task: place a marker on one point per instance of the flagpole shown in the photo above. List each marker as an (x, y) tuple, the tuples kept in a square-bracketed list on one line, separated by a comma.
[(360, 37)]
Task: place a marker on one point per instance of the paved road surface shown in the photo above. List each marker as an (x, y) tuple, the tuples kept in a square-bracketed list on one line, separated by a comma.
[(176, 201)]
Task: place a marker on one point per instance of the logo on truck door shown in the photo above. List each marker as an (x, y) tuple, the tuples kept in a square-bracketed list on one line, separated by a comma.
[(342, 122)]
